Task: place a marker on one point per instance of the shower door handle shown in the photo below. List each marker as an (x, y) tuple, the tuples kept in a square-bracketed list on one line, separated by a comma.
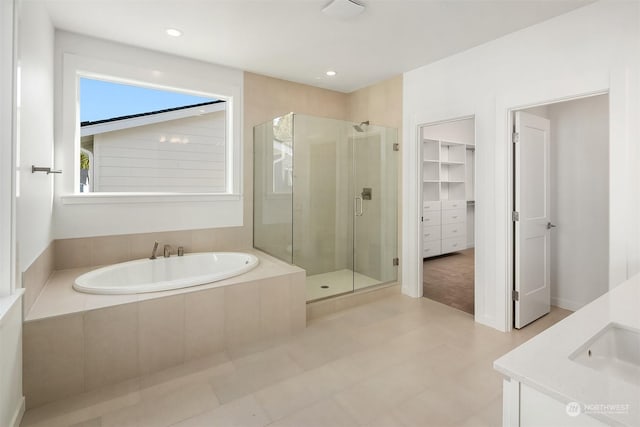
[(358, 210)]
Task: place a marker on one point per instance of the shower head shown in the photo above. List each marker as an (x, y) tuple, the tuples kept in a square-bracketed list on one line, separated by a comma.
[(360, 127)]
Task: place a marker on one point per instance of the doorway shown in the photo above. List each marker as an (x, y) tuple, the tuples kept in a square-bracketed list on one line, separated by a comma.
[(560, 206), (448, 212)]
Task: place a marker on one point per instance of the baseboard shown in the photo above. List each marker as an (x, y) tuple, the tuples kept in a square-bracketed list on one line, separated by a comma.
[(567, 304), (17, 416)]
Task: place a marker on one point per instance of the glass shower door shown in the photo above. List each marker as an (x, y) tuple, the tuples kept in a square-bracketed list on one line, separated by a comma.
[(325, 199), (375, 192), (322, 206)]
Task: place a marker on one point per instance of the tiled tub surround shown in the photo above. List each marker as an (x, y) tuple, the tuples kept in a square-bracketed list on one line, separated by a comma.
[(36, 275), (104, 250), (76, 342), (64, 254)]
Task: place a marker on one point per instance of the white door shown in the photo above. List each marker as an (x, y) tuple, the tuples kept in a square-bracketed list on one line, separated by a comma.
[(532, 243)]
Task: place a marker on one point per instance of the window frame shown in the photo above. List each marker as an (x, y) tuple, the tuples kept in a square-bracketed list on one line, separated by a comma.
[(8, 140), (74, 67)]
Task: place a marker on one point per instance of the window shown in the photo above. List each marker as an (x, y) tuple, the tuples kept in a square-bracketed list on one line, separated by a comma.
[(282, 172), (148, 140), (190, 86)]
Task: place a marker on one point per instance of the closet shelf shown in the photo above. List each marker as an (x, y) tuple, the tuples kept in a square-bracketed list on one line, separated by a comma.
[(451, 143)]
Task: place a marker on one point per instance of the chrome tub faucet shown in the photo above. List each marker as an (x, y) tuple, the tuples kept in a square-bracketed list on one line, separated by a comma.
[(153, 252)]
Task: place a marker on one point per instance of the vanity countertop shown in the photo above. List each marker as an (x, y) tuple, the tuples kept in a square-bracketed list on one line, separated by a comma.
[(543, 362)]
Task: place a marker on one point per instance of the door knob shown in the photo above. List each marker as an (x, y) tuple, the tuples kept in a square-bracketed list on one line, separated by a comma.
[(550, 226)]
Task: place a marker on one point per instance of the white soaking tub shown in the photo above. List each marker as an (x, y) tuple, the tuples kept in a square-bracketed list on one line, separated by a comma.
[(163, 274)]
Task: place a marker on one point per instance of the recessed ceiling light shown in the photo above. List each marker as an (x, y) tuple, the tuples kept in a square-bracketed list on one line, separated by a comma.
[(331, 73), (173, 32)]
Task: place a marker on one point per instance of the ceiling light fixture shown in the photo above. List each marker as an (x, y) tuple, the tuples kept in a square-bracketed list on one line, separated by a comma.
[(173, 32), (343, 9), (331, 73)]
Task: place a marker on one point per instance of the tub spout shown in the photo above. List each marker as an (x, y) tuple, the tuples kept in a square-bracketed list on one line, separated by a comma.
[(167, 251), (153, 252)]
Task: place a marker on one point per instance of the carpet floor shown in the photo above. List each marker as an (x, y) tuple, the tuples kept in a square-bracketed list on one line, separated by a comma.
[(449, 279)]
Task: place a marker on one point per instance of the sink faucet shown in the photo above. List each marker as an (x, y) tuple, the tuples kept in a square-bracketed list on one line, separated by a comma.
[(167, 251), (155, 248)]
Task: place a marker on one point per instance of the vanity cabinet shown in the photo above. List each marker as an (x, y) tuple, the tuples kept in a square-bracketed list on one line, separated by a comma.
[(524, 406), (446, 191), (582, 371)]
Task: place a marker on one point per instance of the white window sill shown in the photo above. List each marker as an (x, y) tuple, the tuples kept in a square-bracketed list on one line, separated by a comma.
[(113, 198)]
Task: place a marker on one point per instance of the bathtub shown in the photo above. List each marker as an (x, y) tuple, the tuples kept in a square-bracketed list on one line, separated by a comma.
[(163, 274)]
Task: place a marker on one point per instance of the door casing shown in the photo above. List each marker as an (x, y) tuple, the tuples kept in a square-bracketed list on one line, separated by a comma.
[(510, 111)]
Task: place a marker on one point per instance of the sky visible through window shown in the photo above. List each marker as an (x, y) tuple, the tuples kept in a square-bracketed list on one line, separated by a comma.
[(100, 100)]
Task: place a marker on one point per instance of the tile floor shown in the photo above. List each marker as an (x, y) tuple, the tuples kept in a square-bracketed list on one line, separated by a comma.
[(394, 362)]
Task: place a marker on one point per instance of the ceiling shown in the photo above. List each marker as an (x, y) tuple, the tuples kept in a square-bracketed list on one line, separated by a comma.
[(293, 40)]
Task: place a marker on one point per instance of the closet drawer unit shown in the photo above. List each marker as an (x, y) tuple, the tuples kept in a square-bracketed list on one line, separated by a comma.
[(431, 248), (451, 231), (431, 218), (454, 204), (430, 233), (453, 216), (452, 245), (431, 206)]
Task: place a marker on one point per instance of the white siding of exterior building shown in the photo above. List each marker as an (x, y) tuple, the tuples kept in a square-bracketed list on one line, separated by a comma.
[(184, 155)]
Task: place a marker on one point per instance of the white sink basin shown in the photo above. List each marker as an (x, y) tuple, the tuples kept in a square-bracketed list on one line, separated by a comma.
[(614, 351)]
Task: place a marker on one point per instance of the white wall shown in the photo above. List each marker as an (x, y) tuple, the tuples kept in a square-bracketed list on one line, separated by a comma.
[(595, 48), (35, 127), (579, 201), (454, 131), (79, 216)]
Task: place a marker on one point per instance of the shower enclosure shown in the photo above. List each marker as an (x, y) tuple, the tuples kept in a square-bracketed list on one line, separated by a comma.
[(325, 199)]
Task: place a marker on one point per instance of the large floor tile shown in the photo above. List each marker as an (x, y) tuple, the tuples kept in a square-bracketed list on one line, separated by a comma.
[(253, 373), (393, 362), (291, 395), (244, 412), (166, 410), (326, 413), (85, 406), (377, 395)]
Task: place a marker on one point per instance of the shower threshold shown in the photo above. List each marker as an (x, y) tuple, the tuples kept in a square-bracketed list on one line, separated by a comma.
[(324, 285)]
